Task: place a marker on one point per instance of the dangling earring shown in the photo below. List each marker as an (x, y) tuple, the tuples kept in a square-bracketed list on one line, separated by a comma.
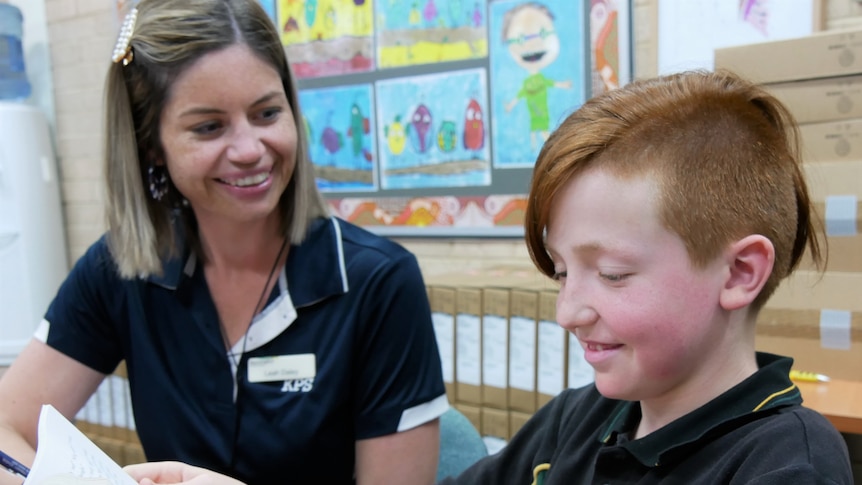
[(157, 177)]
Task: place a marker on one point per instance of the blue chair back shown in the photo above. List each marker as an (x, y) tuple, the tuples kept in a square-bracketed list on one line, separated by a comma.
[(461, 445)]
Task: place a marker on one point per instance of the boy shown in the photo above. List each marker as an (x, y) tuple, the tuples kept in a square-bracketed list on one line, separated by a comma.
[(669, 211)]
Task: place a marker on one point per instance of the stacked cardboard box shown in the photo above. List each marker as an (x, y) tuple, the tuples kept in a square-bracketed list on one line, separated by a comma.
[(503, 353), (817, 317)]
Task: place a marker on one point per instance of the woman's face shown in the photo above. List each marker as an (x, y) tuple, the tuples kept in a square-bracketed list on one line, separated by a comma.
[(228, 137)]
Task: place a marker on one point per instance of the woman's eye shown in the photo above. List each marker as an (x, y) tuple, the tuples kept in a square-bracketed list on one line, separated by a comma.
[(206, 128), (558, 276), (270, 113)]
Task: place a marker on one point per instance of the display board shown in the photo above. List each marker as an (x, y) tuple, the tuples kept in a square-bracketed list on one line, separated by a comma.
[(425, 117)]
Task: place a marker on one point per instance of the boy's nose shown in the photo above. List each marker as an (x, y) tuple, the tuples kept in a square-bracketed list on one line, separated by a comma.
[(574, 312)]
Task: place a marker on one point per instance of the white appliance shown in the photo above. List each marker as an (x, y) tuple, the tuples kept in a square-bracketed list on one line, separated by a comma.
[(33, 258)]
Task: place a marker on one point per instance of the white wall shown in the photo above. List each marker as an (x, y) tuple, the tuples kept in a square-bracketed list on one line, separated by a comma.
[(37, 55)]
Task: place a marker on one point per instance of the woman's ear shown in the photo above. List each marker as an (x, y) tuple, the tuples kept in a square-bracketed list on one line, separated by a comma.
[(750, 262)]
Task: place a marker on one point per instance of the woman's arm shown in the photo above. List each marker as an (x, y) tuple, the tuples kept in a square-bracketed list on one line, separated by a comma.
[(40, 375), (407, 457)]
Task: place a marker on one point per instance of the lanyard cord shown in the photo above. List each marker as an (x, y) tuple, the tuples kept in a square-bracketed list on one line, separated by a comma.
[(238, 362)]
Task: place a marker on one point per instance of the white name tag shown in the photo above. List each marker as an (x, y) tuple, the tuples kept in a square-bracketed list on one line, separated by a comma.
[(281, 368)]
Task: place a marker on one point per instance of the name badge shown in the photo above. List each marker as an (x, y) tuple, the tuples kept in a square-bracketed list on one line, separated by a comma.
[(281, 368)]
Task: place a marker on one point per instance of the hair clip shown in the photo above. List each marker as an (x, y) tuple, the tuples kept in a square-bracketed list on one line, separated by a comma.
[(123, 48)]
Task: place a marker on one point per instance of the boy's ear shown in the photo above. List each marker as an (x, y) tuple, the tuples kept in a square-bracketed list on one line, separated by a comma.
[(750, 262)]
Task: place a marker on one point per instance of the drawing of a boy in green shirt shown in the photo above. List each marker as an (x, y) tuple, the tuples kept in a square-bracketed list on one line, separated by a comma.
[(528, 31)]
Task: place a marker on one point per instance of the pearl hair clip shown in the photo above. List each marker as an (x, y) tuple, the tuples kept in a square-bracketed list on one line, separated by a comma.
[(123, 49)]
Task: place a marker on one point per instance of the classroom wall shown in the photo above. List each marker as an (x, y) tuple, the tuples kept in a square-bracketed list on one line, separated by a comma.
[(81, 35)]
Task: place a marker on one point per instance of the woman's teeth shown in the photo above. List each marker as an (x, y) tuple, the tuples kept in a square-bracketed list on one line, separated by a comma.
[(250, 180)]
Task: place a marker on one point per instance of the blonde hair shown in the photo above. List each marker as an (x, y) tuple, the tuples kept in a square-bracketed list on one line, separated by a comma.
[(168, 36), (724, 153)]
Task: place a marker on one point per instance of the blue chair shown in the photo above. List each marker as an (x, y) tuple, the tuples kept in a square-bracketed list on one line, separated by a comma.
[(461, 445)]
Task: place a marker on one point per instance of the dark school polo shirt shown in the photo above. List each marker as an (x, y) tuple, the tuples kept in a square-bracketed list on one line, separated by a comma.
[(354, 301), (755, 433)]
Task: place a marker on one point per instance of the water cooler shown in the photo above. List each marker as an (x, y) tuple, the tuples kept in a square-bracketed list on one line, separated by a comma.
[(33, 258)]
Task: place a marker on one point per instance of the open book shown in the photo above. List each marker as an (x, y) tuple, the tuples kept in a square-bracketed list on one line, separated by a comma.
[(66, 456)]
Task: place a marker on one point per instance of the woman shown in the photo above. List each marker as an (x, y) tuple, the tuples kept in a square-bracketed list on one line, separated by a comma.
[(263, 339)]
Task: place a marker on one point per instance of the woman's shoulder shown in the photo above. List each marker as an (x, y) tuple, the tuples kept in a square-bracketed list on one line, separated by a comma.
[(361, 240)]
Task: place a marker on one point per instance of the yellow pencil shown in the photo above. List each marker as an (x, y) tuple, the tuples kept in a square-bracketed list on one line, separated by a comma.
[(802, 376)]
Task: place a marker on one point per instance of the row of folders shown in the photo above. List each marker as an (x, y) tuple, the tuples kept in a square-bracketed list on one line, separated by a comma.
[(500, 346)]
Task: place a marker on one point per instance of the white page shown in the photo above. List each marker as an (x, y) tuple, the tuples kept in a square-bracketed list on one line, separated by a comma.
[(65, 456)]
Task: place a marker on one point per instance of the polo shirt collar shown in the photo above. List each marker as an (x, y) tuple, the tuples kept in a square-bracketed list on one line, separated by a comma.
[(768, 388), (316, 269)]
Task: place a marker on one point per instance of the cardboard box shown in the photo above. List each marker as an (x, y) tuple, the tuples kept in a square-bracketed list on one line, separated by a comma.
[(814, 340), (443, 316), (823, 54), (468, 342), (552, 350), (495, 422), (819, 100), (834, 178), (832, 141), (473, 413), (523, 332), (495, 347), (811, 290), (842, 218)]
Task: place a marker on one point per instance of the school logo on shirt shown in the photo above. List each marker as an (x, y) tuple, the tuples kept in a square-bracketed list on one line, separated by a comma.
[(298, 385)]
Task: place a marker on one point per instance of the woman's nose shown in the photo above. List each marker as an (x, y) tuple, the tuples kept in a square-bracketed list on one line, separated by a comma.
[(246, 145)]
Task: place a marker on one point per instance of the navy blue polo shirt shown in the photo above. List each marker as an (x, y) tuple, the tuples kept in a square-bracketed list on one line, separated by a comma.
[(354, 301)]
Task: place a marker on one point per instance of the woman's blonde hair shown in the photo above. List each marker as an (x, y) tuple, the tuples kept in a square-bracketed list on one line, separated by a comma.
[(168, 37), (724, 153)]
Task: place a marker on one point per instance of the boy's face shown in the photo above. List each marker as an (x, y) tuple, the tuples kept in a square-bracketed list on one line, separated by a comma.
[(644, 316)]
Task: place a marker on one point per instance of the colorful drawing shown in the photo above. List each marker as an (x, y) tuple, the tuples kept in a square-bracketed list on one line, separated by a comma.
[(396, 136), (756, 13), (414, 32), (419, 129), (686, 41), (327, 37), (604, 40), (445, 211), (339, 125), (421, 144), (537, 74), (474, 126), (269, 7)]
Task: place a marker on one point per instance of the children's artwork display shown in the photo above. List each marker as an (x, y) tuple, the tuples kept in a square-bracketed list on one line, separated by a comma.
[(327, 37), (444, 215), (414, 32), (434, 131), (537, 70), (339, 125), (425, 117)]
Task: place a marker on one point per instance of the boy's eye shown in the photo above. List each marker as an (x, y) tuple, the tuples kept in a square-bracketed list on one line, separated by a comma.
[(613, 277)]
